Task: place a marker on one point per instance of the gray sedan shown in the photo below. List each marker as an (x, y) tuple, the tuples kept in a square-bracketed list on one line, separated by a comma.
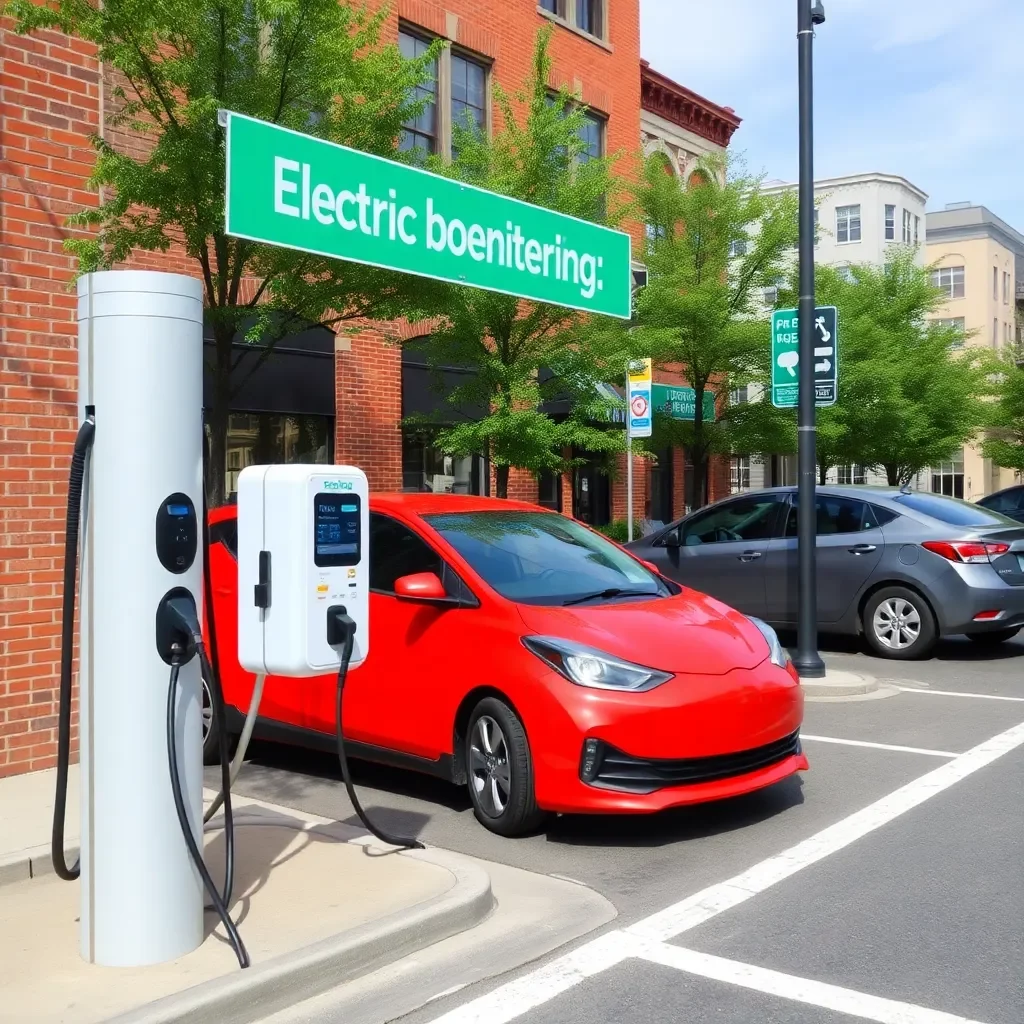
[(903, 568)]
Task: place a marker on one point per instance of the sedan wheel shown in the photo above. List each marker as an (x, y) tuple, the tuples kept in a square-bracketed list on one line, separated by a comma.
[(211, 741), (499, 770), (899, 624)]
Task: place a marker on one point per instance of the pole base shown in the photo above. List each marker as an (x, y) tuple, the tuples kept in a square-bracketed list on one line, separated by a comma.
[(809, 665)]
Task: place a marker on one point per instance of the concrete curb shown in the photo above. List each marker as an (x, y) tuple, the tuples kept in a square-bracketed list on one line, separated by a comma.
[(837, 683), (263, 989), (33, 862)]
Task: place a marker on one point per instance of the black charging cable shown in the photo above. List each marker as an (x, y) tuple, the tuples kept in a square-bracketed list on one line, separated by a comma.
[(341, 631), (181, 612), (76, 482)]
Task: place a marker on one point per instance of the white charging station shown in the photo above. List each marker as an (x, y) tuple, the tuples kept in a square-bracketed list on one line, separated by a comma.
[(140, 344), (303, 544)]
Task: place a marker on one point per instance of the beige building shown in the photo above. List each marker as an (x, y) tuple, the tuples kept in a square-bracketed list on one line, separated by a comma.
[(976, 257)]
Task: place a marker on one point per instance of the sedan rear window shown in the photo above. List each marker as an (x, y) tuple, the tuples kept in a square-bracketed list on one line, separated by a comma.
[(544, 558), (953, 510)]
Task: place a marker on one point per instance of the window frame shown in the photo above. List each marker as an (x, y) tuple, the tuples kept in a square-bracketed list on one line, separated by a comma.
[(566, 14), (890, 222), (950, 288), (907, 224), (845, 218), (444, 117)]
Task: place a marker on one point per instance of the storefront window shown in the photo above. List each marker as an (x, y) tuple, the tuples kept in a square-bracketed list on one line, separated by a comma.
[(549, 490), (424, 468), (948, 478)]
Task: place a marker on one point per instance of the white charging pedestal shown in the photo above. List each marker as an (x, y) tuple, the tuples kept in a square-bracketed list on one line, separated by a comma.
[(140, 342)]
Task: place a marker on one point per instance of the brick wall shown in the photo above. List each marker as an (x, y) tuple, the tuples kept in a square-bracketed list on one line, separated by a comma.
[(51, 100)]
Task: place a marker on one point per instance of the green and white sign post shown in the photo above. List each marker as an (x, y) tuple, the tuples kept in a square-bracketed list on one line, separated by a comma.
[(297, 191), (786, 357)]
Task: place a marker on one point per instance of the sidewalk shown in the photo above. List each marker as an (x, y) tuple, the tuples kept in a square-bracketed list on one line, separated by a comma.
[(318, 903)]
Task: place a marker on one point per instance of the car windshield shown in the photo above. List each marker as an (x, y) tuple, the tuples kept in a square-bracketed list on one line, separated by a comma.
[(544, 557), (953, 510)]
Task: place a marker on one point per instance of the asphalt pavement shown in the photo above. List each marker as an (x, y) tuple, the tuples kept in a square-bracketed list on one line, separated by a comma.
[(883, 884)]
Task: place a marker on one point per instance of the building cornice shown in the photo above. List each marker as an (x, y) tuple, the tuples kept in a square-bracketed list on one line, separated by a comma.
[(685, 108)]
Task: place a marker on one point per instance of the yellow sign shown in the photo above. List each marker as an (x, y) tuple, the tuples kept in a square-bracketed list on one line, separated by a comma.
[(640, 372)]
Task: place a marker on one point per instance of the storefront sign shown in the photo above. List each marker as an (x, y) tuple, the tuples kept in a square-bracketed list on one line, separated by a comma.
[(680, 403)]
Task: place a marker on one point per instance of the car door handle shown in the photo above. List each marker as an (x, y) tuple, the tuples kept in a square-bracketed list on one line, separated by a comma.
[(749, 556), (862, 549)]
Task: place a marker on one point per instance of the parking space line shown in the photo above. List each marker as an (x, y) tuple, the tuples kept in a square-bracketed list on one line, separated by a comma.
[(788, 986), (878, 746), (533, 989), (957, 693), (704, 905)]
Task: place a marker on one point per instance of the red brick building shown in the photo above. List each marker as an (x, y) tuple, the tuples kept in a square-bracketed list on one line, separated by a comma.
[(53, 96)]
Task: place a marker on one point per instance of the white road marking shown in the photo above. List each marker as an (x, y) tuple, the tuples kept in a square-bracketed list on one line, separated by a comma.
[(958, 693), (801, 990), (537, 987), (878, 746), (701, 906)]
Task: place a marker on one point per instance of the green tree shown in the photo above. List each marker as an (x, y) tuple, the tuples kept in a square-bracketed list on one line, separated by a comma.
[(908, 396), (1004, 441), (312, 65), (520, 353), (712, 245)]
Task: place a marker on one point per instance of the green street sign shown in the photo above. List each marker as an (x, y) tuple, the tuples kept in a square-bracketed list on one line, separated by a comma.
[(293, 190), (680, 403), (786, 357)]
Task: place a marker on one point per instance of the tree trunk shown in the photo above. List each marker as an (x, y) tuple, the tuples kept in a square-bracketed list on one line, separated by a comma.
[(892, 474), (822, 473), (700, 454), (220, 410), (501, 481)]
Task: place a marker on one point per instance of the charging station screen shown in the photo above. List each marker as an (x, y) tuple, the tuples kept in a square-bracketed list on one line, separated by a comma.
[(336, 539)]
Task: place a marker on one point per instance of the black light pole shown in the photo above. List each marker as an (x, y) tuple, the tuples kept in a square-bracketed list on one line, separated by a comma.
[(808, 662)]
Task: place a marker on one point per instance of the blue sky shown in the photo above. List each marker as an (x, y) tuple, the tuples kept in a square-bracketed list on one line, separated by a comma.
[(929, 89)]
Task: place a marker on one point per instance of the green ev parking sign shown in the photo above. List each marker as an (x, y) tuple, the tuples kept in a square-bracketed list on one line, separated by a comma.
[(786, 357)]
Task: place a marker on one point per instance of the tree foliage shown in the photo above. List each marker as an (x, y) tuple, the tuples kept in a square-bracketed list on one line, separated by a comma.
[(699, 313), (316, 66), (1004, 441), (522, 354), (908, 397)]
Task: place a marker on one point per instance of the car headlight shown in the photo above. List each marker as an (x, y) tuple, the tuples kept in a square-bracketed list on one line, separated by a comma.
[(779, 654), (586, 666)]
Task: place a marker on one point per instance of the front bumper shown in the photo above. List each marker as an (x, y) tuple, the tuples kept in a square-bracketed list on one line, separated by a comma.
[(693, 739)]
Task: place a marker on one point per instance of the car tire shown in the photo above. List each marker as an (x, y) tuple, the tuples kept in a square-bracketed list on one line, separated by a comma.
[(499, 770), (899, 624), (211, 731), (996, 636)]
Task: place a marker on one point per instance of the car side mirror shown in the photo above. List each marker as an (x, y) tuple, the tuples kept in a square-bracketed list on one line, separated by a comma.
[(672, 539), (422, 586)]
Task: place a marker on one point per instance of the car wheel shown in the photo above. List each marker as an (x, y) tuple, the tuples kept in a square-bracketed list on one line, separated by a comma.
[(211, 731), (499, 770), (899, 624), (996, 636)]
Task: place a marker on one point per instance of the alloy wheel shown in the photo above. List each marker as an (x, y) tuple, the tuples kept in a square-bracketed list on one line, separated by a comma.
[(489, 766), (897, 624), (207, 711)]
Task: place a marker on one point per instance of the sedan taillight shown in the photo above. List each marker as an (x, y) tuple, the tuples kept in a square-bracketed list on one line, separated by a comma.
[(966, 550)]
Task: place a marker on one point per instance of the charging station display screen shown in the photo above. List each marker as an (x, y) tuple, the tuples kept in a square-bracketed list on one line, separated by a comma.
[(336, 535)]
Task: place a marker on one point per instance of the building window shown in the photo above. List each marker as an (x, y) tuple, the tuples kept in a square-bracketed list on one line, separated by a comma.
[(258, 439), (738, 247), (995, 332), (948, 478), (905, 236), (739, 474), (771, 292), (469, 95), (421, 132), (957, 324), (739, 396), (1006, 288), (584, 15), (995, 284), (845, 272), (848, 223), (890, 223), (592, 134), (425, 468), (549, 490), (950, 280), (655, 231), (917, 229), (851, 475)]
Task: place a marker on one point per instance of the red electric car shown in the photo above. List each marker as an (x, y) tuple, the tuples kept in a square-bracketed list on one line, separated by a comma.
[(516, 651)]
